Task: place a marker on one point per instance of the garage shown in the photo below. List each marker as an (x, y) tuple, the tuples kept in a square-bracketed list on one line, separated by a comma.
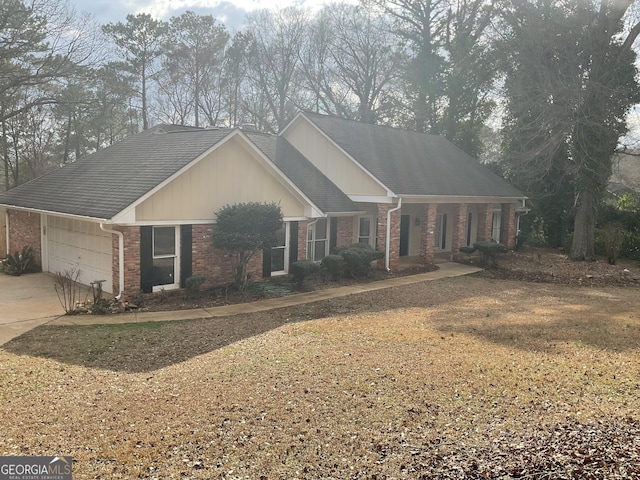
[(73, 243)]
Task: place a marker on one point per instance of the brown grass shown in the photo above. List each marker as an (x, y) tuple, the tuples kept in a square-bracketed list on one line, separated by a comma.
[(463, 378)]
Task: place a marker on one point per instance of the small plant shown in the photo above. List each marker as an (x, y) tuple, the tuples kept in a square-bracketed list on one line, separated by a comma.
[(303, 269), (489, 252), (358, 258), (19, 263), (192, 286), (613, 235), (334, 265), (68, 289)]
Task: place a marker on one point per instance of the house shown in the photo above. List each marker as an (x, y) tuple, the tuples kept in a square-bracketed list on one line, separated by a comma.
[(140, 214)]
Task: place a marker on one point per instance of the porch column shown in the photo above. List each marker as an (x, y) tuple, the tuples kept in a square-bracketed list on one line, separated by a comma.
[(508, 225), (459, 235), (131, 260), (394, 239), (428, 233), (485, 222), (302, 240)]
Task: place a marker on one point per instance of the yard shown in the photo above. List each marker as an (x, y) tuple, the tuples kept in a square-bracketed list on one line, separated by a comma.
[(469, 377)]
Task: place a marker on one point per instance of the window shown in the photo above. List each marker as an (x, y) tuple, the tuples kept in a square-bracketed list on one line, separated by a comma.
[(279, 257), (317, 240), (495, 226), (165, 256), (441, 231), (364, 230)]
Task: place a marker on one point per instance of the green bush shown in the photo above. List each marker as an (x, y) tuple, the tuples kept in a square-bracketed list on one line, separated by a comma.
[(19, 263), (303, 269), (192, 286), (334, 264), (358, 258), (612, 237), (490, 252)]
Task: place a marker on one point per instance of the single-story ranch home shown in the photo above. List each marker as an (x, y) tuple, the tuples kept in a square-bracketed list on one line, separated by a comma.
[(140, 214)]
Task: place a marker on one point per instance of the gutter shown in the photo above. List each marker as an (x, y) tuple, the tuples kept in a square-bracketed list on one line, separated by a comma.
[(387, 247), (120, 258)]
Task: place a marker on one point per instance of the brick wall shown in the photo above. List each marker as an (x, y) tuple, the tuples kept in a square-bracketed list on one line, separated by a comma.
[(508, 225), (485, 219), (459, 235), (131, 259), (427, 233), (345, 231), (394, 239), (302, 240), (24, 231)]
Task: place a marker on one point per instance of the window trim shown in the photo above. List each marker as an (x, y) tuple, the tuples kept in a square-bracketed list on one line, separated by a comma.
[(175, 256), (285, 247), (370, 237), (312, 238)]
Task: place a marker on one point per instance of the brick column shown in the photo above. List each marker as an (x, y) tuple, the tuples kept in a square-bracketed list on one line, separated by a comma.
[(302, 240), (131, 260), (345, 231), (394, 243), (485, 219), (508, 225), (24, 231), (428, 233), (459, 236)]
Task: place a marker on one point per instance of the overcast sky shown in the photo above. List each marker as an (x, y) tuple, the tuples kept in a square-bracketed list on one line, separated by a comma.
[(230, 13)]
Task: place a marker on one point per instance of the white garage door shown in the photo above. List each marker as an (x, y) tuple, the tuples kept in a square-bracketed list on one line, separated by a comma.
[(80, 245)]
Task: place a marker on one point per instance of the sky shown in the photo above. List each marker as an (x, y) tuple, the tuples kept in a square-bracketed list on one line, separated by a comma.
[(230, 13)]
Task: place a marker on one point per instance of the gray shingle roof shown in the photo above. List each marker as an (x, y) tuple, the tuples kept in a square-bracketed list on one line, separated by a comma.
[(318, 188), (103, 184), (411, 163)]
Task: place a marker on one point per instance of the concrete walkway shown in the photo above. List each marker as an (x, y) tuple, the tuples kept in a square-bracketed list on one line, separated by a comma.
[(446, 270)]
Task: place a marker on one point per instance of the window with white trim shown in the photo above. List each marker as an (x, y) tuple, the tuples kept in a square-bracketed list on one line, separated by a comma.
[(318, 240), (365, 235), (280, 253), (441, 231), (495, 225), (165, 257)]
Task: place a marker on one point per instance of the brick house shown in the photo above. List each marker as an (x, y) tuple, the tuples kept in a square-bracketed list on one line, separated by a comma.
[(140, 214)]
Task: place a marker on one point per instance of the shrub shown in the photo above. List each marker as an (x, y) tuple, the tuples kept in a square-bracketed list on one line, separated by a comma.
[(19, 263), (303, 269), (68, 289), (358, 258), (192, 286), (613, 236), (334, 264), (490, 252)]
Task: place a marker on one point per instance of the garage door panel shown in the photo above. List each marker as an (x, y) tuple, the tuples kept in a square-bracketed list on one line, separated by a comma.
[(76, 244)]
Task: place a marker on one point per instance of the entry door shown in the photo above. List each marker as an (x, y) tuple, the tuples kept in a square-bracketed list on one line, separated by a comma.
[(405, 222)]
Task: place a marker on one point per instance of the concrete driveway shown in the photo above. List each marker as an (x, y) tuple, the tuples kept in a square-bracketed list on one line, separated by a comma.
[(26, 302)]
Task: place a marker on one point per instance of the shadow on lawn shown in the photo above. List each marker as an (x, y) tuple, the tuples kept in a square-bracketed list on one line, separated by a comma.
[(513, 314), (143, 347)]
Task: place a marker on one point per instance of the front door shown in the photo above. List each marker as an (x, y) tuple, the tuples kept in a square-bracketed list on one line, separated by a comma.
[(405, 222)]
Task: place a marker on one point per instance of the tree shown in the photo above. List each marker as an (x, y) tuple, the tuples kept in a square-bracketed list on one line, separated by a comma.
[(140, 40), (352, 63), (570, 83), (244, 229), (194, 54)]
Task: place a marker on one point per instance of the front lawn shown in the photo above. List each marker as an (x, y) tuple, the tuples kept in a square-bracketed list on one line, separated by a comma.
[(462, 378)]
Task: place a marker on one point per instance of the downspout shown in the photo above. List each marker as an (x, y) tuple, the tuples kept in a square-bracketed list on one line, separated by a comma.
[(6, 226), (120, 258), (387, 247)]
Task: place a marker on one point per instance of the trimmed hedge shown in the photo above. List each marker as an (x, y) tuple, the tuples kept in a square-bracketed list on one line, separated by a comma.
[(358, 258)]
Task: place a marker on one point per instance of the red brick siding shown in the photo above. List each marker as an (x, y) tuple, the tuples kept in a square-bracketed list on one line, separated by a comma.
[(485, 219), (345, 231), (131, 259), (302, 240), (508, 225), (394, 239), (459, 235), (427, 233), (24, 231)]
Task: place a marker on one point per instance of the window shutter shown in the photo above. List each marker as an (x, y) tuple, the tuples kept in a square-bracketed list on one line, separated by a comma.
[(186, 253), (146, 259)]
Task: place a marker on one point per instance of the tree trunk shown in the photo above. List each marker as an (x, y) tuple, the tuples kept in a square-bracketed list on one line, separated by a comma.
[(583, 246)]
